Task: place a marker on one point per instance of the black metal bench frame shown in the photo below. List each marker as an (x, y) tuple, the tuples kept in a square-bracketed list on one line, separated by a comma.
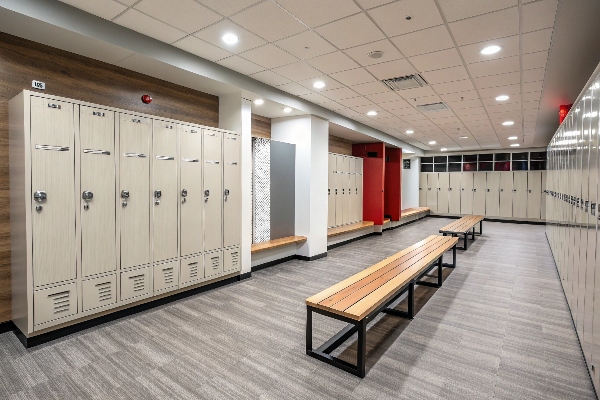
[(323, 352), (466, 234)]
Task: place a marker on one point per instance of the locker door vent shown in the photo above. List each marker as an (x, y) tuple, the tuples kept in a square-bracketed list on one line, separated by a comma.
[(139, 282), (215, 262), (168, 275), (61, 301), (193, 270), (235, 258), (105, 291)]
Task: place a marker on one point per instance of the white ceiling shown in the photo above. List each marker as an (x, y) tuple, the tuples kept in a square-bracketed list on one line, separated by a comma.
[(291, 44)]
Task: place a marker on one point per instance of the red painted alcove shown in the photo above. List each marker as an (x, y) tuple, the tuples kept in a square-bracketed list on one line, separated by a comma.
[(373, 155), (393, 183)]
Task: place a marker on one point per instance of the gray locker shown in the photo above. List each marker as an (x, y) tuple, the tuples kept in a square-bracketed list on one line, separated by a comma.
[(54, 303), (191, 196), (345, 190), (453, 194), (213, 190), (492, 194), (432, 191), (545, 198), (331, 191), (479, 186), (232, 193), (99, 292), (520, 194), (423, 189), (466, 193), (165, 191), (506, 194), (359, 186), (534, 194), (136, 283), (97, 200), (443, 192), (339, 186)]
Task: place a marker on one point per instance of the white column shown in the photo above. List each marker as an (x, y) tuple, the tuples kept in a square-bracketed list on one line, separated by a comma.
[(410, 184), (235, 114), (310, 134)]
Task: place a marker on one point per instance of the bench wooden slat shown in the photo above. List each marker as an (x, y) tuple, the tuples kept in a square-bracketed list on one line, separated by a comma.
[(275, 243), (462, 225), (349, 228), (412, 211)]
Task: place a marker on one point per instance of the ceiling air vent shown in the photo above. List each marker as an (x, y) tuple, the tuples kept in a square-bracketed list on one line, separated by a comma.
[(405, 82), (432, 107)]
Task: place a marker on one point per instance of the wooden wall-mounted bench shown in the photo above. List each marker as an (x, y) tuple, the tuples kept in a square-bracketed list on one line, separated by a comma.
[(273, 244), (463, 227), (409, 212), (360, 298), (338, 230)]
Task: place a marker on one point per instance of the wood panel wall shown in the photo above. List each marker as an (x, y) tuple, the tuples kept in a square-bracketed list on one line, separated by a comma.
[(261, 126), (340, 146), (70, 75)]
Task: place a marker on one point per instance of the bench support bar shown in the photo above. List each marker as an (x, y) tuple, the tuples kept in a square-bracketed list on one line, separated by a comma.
[(453, 265)]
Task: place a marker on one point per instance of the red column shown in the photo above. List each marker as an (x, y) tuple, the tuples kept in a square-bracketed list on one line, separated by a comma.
[(393, 183), (373, 155)]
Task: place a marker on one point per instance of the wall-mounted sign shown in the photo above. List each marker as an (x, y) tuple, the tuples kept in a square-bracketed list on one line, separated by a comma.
[(38, 85), (406, 164)]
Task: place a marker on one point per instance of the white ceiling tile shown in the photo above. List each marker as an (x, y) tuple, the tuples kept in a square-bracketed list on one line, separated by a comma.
[(491, 101), (446, 75), (193, 45), (333, 62), (391, 69), (294, 89), (538, 15), (460, 9), (395, 105), (269, 56), (228, 7), (361, 53), (350, 32), (366, 4), (497, 80), (270, 78), (532, 96), (314, 98), (532, 75), (355, 101), (535, 60), (332, 105), (486, 27), (454, 87), (511, 90), (318, 12), (504, 107), (297, 72), (533, 86), (425, 41), (494, 67), (329, 82), (240, 65), (384, 97), (340, 94), (531, 105), (510, 47), (456, 105), (268, 21), (353, 77), (128, 2), (214, 33), (381, 114), (107, 9), (477, 111), (457, 95), (536, 41), (427, 100), (411, 94), (437, 60), (370, 88), (391, 18), (306, 45), (149, 26), (187, 15)]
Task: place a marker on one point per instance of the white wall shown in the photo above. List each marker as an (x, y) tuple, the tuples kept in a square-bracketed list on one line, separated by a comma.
[(410, 183)]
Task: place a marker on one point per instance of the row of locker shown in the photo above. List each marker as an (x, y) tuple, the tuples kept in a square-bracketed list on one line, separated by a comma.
[(345, 192), (109, 191), (492, 194), (572, 229)]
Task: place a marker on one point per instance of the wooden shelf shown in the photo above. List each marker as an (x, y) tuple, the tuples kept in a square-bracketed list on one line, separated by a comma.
[(348, 228), (273, 244)]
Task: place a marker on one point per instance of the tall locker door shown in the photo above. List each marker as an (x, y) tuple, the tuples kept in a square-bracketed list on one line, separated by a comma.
[(479, 186), (359, 185), (492, 194), (232, 190), (423, 189), (506, 187), (165, 191), (352, 189), (346, 190), (454, 193), (213, 189), (192, 198), (331, 192), (534, 194), (443, 192), (134, 134), (545, 197), (339, 183), (53, 187), (520, 194), (97, 200), (466, 193), (432, 191)]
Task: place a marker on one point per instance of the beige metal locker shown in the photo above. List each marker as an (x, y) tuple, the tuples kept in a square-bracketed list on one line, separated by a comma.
[(232, 190), (231, 260), (492, 194), (443, 192), (534, 194), (339, 183), (213, 264), (136, 283), (134, 190), (166, 276), (359, 185), (432, 191), (97, 200), (520, 194), (466, 193), (99, 292), (213, 189), (345, 190), (479, 186), (423, 189), (506, 197), (54, 303), (352, 192), (545, 197), (192, 270), (191, 197), (453, 194), (331, 192), (53, 195), (165, 191)]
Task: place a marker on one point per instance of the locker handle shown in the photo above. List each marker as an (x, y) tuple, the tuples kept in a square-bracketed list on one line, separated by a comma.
[(169, 126), (529, 190), (193, 131), (231, 163), (211, 134), (40, 196), (231, 138), (514, 190), (98, 114), (48, 147), (139, 155), (137, 121), (102, 152), (190, 160), (212, 162), (56, 106), (166, 158), (487, 190)]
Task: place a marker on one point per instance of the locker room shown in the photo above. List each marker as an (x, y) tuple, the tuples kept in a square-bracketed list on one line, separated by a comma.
[(283, 199)]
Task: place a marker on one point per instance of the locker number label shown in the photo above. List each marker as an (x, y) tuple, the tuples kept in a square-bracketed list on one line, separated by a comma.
[(38, 85)]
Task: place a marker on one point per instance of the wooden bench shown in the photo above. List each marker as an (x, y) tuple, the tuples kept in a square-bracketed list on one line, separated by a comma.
[(360, 298), (408, 212), (463, 227), (338, 230), (273, 244)]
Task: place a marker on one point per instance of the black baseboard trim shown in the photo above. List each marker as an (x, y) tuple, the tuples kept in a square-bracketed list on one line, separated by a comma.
[(272, 263), (247, 275), (333, 246), (504, 221), (7, 327), (312, 258), (377, 233), (69, 330)]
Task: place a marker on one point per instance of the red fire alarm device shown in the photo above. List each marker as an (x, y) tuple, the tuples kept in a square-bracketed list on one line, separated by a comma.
[(562, 113), (146, 99)]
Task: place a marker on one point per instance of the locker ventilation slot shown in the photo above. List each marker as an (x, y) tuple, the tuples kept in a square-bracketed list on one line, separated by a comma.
[(193, 270), (168, 275), (139, 283), (104, 291), (215, 262), (62, 301), (235, 258)]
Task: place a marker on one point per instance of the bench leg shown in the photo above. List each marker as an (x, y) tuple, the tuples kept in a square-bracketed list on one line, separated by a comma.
[(480, 227), (362, 348), (439, 271), (410, 314), (308, 330), (453, 265), (466, 237), (473, 234)]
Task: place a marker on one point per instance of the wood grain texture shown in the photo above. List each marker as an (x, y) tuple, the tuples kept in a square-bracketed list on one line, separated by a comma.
[(349, 228), (273, 244), (73, 76), (339, 145), (407, 212), (462, 225), (261, 126)]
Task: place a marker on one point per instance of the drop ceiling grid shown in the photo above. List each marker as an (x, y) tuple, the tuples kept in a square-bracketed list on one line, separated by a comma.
[(288, 68)]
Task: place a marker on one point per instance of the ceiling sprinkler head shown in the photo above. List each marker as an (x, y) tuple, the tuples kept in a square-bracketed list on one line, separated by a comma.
[(376, 54), (408, 17)]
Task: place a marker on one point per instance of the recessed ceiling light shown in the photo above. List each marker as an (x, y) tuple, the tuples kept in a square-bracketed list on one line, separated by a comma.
[(491, 50), (515, 145), (287, 110), (319, 84), (512, 138), (230, 38), (259, 102), (502, 98), (508, 123), (410, 132), (375, 54), (433, 142), (372, 113), (443, 149), (464, 137)]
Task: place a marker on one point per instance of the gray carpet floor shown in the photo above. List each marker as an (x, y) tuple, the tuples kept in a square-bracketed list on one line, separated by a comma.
[(499, 328)]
